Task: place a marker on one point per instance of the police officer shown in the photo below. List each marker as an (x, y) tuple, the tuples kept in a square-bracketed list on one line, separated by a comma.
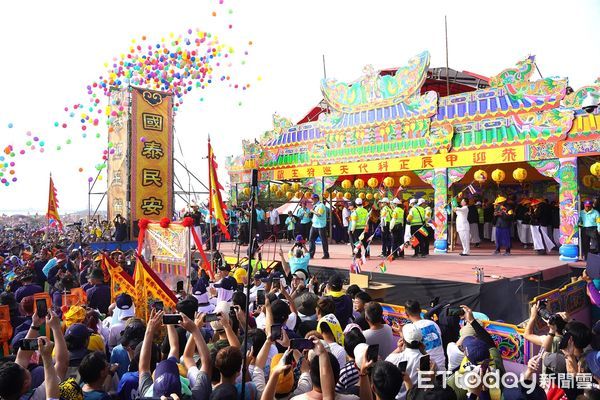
[(358, 222), (385, 216), (397, 228), (416, 219)]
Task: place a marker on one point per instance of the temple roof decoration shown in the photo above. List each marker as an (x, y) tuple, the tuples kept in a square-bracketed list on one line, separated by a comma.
[(577, 98), (375, 91), (509, 76), (386, 118)]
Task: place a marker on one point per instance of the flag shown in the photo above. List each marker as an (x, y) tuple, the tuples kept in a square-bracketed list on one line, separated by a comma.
[(355, 267), (423, 231), (383, 266), (471, 189), (120, 280), (414, 241), (390, 258), (382, 190), (216, 207), (149, 286), (52, 213)]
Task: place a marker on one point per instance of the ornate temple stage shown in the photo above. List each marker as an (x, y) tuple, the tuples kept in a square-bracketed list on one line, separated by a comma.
[(518, 278)]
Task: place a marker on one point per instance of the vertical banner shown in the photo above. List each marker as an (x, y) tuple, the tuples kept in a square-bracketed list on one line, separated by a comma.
[(117, 165), (151, 155)]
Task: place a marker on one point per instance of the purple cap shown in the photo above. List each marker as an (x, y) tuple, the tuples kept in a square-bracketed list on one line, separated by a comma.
[(476, 349), (587, 203), (227, 283), (167, 378), (78, 331), (124, 301)]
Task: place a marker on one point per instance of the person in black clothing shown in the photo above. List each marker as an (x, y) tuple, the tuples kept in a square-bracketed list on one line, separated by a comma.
[(488, 219), (541, 218), (120, 228), (360, 299)]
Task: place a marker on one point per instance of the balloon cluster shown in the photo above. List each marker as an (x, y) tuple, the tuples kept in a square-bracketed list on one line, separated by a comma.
[(178, 64)]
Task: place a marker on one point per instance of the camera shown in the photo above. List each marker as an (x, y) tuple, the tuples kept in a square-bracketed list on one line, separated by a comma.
[(549, 317)]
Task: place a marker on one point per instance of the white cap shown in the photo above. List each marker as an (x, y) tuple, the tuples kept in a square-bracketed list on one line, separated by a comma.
[(358, 201), (412, 201), (359, 353), (411, 333), (420, 201), (384, 200), (396, 201)]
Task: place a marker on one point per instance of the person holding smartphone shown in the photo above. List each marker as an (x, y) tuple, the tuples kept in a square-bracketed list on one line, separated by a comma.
[(409, 350)]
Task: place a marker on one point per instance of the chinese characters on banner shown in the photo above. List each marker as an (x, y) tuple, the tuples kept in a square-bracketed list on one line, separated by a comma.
[(151, 155), (500, 155), (118, 173)]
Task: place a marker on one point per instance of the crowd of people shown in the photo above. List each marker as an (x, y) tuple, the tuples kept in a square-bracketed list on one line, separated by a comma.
[(293, 337)]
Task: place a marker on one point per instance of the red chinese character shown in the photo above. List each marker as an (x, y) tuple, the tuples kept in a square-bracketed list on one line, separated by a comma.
[(343, 169), (280, 174), (509, 155), (382, 166), (404, 163), (310, 172), (326, 170), (451, 158), (479, 157), (294, 173), (363, 168), (426, 162)]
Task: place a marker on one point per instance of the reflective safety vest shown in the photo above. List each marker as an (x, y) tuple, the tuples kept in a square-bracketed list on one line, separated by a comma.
[(397, 217), (416, 216), (386, 214), (359, 217)]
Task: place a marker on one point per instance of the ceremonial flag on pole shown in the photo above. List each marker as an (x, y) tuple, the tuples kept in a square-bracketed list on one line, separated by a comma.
[(216, 207), (423, 231), (383, 267), (471, 189), (149, 286), (52, 213), (120, 280)]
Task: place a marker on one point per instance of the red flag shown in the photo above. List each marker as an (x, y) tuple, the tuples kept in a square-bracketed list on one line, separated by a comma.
[(52, 213), (216, 207)]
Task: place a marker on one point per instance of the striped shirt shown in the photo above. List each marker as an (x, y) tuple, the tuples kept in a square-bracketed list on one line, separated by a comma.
[(348, 377)]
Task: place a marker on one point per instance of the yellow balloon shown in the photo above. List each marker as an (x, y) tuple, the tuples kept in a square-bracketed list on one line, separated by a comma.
[(359, 183), (246, 191), (369, 196), (498, 175), (404, 181), (520, 174), (361, 195), (389, 181), (480, 176), (289, 195), (373, 182), (285, 187), (595, 169), (307, 195), (298, 194), (274, 188), (346, 184), (377, 196), (340, 195), (347, 195), (295, 186), (326, 194), (588, 180)]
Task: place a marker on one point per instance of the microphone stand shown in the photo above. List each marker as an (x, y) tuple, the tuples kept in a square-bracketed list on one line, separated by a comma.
[(251, 252)]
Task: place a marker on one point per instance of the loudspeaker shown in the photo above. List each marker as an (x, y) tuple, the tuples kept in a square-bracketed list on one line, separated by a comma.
[(254, 182)]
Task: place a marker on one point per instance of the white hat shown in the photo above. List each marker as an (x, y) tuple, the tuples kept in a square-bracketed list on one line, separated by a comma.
[(420, 201), (358, 201), (396, 201), (359, 353), (412, 201), (411, 333), (384, 200)]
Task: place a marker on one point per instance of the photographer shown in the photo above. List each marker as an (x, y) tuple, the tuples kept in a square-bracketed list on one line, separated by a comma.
[(556, 324)]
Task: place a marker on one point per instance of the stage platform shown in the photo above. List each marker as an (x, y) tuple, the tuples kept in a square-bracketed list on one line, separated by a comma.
[(510, 281)]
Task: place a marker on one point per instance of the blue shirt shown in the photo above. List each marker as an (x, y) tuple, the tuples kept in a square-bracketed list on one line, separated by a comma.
[(260, 215), (590, 219), (302, 213), (299, 263), (128, 386), (319, 219), (120, 356)]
